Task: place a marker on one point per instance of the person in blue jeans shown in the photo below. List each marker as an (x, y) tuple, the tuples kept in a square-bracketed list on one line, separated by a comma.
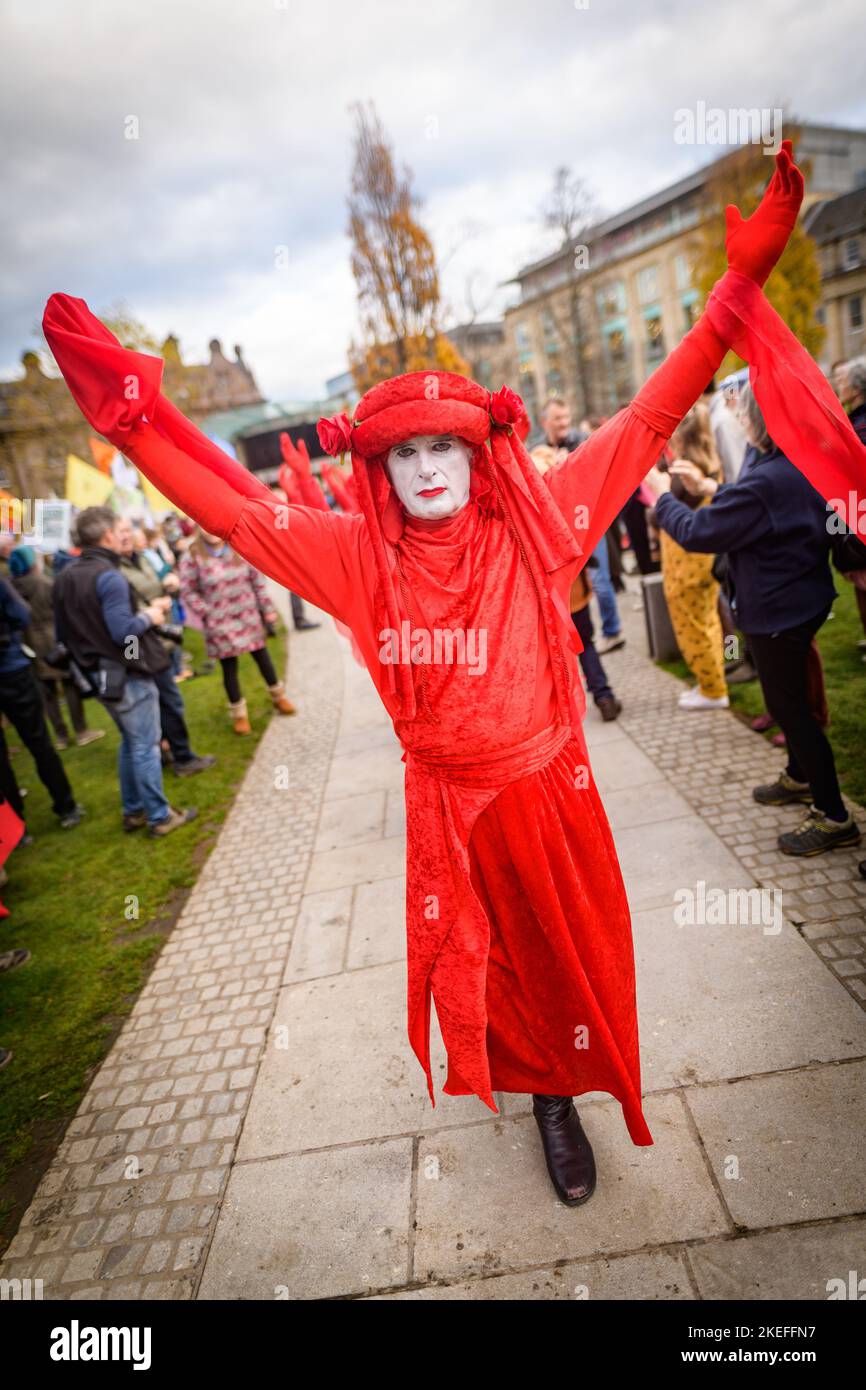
[(115, 643), (611, 623)]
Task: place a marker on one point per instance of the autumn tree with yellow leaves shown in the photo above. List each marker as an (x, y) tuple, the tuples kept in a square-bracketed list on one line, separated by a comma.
[(394, 266), (794, 287)]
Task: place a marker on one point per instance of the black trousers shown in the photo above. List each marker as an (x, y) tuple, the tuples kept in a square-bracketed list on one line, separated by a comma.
[(634, 516), (229, 665), (172, 716), (21, 702), (781, 663), (51, 696), (590, 661)]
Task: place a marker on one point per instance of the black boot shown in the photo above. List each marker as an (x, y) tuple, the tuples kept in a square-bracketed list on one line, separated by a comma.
[(568, 1152)]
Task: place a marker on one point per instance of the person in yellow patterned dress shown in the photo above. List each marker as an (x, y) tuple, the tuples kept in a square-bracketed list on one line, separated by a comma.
[(691, 591)]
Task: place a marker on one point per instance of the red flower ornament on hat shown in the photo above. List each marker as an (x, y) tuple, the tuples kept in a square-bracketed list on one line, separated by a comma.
[(506, 407), (335, 435)]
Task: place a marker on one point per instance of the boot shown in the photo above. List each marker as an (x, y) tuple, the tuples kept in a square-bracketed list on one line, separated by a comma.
[(239, 716), (568, 1152), (279, 700)]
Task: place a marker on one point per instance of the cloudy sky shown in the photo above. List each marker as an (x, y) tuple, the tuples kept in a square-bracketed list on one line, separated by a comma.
[(244, 143)]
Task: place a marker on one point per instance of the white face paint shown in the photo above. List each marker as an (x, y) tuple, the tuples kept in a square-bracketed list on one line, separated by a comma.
[(430, 475)]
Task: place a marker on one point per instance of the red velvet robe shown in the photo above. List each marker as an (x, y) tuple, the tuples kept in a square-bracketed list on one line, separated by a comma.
[(517, 919)]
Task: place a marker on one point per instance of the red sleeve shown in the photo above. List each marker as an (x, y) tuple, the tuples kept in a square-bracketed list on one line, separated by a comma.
[(800, 409), (317, 554), (593, 484)]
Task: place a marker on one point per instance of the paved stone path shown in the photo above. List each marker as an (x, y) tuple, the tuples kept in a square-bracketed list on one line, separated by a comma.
[(261, 1128)]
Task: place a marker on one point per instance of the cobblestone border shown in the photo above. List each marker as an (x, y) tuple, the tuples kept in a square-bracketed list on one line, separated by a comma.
[(128, 1206), (714, 760)]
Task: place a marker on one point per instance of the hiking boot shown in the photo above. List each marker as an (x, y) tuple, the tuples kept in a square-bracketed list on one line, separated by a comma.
[(240, 716), (783, 792), (609, 708), (173, 821), (280, 702), (567, 1151), (817, 833), (72, 818), (134, 820), (194, 765)]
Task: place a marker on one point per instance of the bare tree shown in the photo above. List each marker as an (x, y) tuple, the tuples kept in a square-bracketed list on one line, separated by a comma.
[(570, 210)]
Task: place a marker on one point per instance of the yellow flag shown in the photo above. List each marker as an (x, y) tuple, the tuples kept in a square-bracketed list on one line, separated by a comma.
[(85, 485), (155, 500)]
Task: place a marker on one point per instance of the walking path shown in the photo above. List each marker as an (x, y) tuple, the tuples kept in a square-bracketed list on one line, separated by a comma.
[(261, 1128)]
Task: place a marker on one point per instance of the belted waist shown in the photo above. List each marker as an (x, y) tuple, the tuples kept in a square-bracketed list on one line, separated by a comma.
[(498, 767)]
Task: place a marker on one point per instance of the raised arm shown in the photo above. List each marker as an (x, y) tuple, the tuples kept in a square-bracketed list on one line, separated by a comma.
[(118, 392), (315, 553), (593, 483)]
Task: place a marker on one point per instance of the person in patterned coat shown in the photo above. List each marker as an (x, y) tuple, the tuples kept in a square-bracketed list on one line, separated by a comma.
[(229, 598)]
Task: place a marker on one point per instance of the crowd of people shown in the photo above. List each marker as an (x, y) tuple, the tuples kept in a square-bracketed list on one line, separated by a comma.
[(747, 552), (104, 621)]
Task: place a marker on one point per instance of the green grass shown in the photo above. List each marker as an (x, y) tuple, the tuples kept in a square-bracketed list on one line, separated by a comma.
[(845, 677), (69, 899)]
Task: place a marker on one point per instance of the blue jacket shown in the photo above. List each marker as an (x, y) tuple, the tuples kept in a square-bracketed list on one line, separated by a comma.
[(14, 617), (773, 526)]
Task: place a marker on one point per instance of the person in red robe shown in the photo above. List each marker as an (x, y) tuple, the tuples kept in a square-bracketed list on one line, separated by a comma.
[(453, 578)]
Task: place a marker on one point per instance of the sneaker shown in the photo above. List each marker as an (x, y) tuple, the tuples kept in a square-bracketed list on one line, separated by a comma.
[(61, 744), (817, 833), (783, 792), (695, 699), (72, 818), (136, 820), (609, 644), (609, 708), (10, 960), (194, 765), (89, 736), (173, 821)]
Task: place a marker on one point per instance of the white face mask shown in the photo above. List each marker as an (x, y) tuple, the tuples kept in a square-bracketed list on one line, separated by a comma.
[(430, 475)]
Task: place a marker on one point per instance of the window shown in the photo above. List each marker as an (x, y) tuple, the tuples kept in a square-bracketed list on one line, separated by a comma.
[(851, 254), (855, 313), (821, 315), (548, 328), (655, 345), (611, 299), (683, 272), (648, 284)]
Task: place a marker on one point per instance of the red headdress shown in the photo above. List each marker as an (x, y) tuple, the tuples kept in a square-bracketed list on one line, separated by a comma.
[(504, 481)]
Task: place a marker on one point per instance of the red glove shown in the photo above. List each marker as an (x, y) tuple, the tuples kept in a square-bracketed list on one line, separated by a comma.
[(754, 244), (297, 458)]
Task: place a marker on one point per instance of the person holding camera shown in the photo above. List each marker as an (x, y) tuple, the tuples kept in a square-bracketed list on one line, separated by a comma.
[(229, 598), (113, 642), (144, 580)]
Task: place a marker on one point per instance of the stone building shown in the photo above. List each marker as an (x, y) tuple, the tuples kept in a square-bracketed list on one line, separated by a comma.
[(628, 297), (838, 225), (40, 423)]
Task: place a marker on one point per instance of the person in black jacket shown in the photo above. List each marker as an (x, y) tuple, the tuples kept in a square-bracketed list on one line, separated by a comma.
[(119, 652), (21, 702), (773, 526)]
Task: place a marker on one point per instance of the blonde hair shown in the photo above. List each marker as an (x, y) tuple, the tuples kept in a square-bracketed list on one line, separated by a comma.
[(693, 440)]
